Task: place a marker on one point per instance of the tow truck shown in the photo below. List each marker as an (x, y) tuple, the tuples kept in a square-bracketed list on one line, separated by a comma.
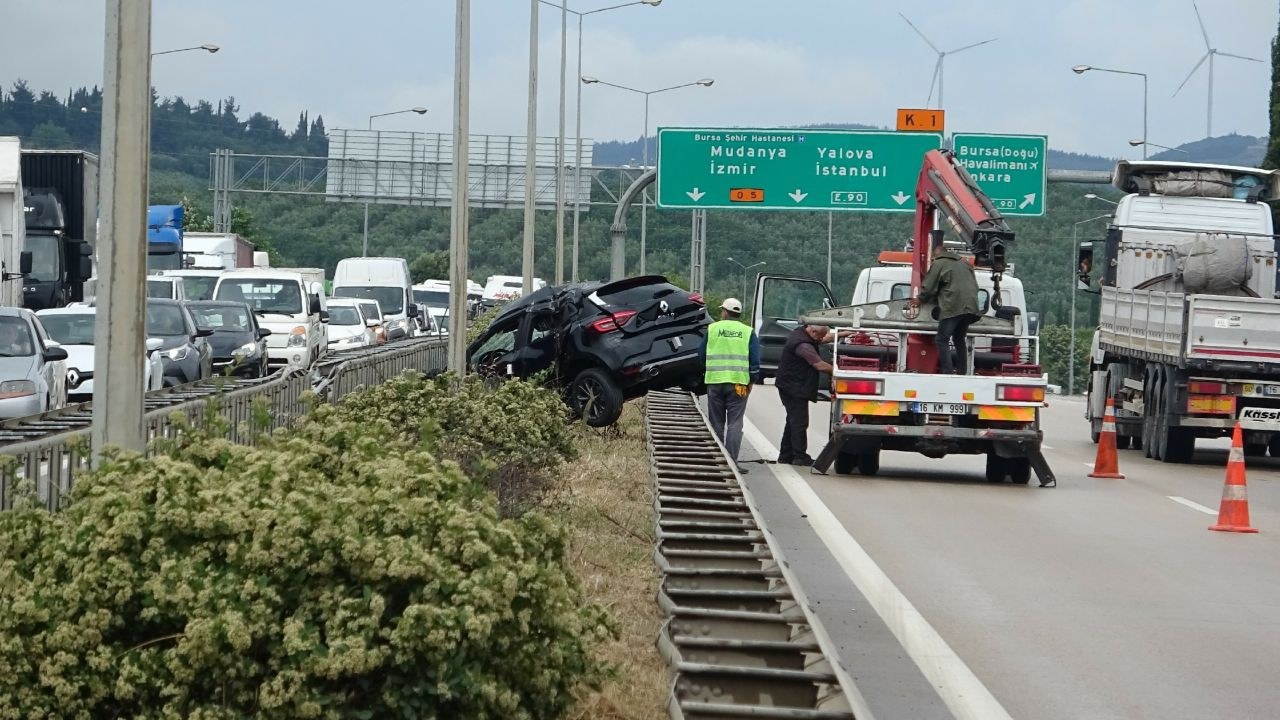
[(885, 389)]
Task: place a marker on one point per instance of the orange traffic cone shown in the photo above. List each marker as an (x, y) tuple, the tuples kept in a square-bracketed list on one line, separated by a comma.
[(1107, 465), (1233, 514)]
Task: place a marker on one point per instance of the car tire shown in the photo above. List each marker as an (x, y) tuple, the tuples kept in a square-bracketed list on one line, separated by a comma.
[(1019, 470), (595, 398)]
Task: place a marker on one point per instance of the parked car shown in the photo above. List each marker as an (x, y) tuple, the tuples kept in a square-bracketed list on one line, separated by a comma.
[(72, 327), (185, 349), (239, 344), (373, 312), (170, 288), (33, 369), (603, 343), (386, 280), (349, 326)]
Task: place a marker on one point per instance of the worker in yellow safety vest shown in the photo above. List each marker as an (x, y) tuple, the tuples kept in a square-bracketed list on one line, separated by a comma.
[(732, 360)]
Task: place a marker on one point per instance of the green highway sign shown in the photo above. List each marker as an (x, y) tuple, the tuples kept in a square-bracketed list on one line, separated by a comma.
[(772, 169), (1009, 169)]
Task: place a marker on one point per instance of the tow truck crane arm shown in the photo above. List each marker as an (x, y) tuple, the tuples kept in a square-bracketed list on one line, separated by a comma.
[(945, 189)]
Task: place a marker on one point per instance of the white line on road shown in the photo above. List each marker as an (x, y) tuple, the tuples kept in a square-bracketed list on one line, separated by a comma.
[(1045, 447), (961, 690), (1192, 504), (1088, 465)]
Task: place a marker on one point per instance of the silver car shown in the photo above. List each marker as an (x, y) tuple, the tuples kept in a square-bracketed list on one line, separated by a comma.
[(33, 369)]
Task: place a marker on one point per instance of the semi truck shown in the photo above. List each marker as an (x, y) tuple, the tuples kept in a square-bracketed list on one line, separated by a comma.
[(164, 237), (60, 204), (1188, 337), (886, 391), (14, 263)]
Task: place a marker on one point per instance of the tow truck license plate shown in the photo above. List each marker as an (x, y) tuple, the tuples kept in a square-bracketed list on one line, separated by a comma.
[(940, 408)]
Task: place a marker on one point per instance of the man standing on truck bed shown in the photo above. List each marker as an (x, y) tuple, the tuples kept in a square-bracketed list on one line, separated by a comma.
[(732, 356), (797, 382), (951, 284)]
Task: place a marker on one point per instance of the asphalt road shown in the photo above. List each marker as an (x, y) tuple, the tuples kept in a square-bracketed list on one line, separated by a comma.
[(1095, 599)]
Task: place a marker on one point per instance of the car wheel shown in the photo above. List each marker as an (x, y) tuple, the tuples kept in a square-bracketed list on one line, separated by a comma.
[(595, 398)]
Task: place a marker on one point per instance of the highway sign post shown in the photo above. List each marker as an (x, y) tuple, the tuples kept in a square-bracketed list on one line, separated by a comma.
[(772, 169), (1010, 169)]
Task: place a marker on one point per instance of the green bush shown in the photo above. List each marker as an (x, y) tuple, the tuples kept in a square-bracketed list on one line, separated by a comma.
[(335, 571), (513, 435), (482, 322)]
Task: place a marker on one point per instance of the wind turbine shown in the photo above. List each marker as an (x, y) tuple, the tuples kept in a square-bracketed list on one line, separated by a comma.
[(942, 55), (1211, 51)]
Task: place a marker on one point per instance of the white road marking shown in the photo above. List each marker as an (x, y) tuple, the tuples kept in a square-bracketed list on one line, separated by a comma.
[(961, 690), (1193, 505), (1088, 465), (1045, 447)]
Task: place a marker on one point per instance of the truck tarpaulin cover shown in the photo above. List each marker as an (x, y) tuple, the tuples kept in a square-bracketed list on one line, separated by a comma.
[(1194, 183), (1217, 264)]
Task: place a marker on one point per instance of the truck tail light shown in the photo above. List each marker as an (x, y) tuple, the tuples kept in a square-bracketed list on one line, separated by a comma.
[(1020, 393), (609, 323), (859, 387), (1203, 387)]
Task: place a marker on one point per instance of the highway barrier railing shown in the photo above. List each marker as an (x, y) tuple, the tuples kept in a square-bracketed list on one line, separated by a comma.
[(739, 638), (50, 450)]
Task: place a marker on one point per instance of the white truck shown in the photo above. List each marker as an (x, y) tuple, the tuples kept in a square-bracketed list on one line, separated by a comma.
[(385, 279), (290, 302), (14, 263), (216, 251), (1188, 339)]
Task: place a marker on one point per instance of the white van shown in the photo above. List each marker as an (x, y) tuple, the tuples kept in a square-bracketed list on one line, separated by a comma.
[(289, 304), (383, 279), (197, 284), (501, 288)]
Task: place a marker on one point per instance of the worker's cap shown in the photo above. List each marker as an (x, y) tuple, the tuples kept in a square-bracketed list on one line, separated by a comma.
[(733, 305)]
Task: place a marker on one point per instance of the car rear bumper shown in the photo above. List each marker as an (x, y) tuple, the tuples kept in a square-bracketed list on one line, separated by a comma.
[(683, 370)]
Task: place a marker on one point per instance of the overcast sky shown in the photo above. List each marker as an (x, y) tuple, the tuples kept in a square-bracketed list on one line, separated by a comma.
[(774, 62)]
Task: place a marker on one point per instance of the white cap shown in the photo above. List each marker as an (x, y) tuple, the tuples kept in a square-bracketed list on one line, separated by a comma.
[(733, 305)]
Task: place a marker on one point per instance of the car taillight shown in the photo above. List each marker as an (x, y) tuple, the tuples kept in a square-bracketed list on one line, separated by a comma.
[(1020, 393), (859, 387), (612, 322), (1202, 387), (697, 298)]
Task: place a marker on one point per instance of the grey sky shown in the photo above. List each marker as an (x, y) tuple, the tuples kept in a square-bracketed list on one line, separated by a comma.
[(775, 62)]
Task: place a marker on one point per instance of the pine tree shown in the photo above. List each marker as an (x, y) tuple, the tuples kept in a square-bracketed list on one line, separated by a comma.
[(1272, 159), (300, 133)]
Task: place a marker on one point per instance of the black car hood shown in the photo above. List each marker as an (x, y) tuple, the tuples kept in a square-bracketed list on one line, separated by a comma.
[(224, 342)]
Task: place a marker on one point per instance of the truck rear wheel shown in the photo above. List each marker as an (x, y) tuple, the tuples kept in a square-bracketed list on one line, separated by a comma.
[(1274, 446), (869, 462), (1019, 470), (997, 468), (1255, 449), (845, 462)]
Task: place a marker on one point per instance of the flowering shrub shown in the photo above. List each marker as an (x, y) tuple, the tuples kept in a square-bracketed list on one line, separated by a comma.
[(335, 571), (512, 435)]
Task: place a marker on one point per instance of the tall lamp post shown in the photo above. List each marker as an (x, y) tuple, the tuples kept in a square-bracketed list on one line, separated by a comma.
[(745, 269), (1082, 69), (1075, 248), (364, 245), (577, 134), (644, 203), (1136, 143)]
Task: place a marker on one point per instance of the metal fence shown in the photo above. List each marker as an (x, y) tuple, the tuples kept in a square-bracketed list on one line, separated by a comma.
[(250, 410)]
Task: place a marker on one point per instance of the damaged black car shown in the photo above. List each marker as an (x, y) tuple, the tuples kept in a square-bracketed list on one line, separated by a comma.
[(602, 343)]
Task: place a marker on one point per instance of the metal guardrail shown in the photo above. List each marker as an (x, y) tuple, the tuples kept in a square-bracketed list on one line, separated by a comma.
[(51, 449), (738, 637)]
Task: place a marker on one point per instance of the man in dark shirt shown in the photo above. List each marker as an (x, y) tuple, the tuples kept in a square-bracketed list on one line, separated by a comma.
[(951, 284), (797, 382)]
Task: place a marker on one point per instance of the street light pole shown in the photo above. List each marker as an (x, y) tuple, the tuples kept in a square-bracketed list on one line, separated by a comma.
[(644, 203), (120, 326), (564, 53), (577, 160), (530, 167), (459, 212), (207, 47), (745, 270), (364, 245), (1071, 343), (1082, 69), (1136, 143)]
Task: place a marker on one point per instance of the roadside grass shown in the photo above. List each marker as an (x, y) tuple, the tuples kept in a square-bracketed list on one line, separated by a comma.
[(608, 503)]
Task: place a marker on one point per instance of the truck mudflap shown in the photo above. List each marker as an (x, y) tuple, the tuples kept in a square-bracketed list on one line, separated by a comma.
[(1025, 443)]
